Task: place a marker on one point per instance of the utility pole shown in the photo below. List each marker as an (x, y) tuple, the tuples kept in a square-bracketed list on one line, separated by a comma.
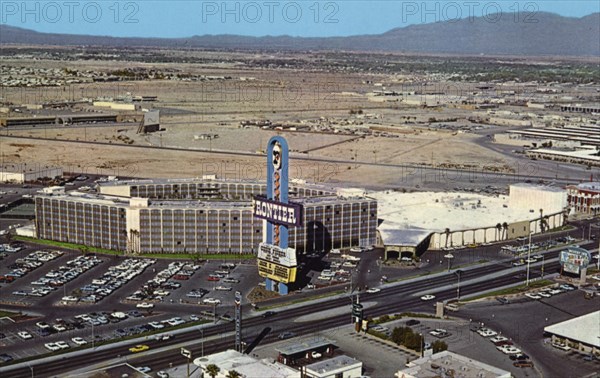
[(528, 258)]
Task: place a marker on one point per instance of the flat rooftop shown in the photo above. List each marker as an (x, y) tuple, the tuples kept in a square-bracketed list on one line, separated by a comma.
[(246, 365), (210, 204), (585, 329), (197, 180), (305, 345), (590, 186), (333, 364), (439, 364), (436, 211)]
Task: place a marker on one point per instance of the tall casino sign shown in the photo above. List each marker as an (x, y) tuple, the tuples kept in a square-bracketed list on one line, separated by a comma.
[(277, 262)]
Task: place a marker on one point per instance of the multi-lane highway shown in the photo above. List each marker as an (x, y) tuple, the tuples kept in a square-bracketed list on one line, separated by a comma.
[(400, 297)]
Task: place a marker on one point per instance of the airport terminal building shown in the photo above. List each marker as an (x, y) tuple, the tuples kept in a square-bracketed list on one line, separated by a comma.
[(204, 216)]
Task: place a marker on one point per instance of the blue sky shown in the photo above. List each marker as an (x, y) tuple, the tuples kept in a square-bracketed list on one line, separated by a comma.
[(258, 18)]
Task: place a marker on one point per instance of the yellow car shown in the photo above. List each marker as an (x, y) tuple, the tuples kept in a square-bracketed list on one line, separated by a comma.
[(139, 348)]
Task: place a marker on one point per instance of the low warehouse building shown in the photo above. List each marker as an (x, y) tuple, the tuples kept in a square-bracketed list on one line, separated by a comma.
[(581, 333), (20, 173)]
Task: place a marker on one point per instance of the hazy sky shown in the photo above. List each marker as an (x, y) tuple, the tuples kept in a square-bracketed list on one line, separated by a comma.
[(258, 18)]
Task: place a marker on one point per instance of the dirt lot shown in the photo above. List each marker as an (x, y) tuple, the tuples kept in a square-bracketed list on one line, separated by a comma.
[(189, 109)]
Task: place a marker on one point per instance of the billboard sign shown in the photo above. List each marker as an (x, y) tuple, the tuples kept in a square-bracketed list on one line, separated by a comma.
[(152, 117), (276, 272), (573, 259), (272, 253), (288, 214)]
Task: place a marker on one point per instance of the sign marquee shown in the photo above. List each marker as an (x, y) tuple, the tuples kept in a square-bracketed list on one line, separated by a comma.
[(276, 262), (289, 214), (574, 259)]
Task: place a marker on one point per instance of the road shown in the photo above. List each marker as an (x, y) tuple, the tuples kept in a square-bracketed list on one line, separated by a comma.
[(397, 298), (406, 172)]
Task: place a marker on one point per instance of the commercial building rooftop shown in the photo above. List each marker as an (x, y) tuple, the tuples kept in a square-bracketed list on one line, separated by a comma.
[(585, 329), (447, 364), (332, 364), (246, 365), (305, 345), (436, 211)]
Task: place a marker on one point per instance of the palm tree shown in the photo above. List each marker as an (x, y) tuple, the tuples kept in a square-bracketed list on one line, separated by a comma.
[(498, 230), (212, 370), (505, 230), (233, 374)]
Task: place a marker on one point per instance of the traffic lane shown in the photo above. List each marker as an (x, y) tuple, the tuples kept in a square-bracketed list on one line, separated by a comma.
[(524, 322)]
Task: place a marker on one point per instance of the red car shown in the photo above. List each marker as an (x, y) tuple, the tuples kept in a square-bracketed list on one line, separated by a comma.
[(213, 278)]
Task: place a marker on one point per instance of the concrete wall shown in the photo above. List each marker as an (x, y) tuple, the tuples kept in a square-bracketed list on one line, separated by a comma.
[(492, 234)]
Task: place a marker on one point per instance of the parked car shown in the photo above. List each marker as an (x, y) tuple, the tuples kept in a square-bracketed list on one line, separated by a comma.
[(79, 341), (25, 335), (52, 347)]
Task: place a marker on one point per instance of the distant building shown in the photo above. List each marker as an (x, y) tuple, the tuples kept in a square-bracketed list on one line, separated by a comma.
[(20, 173), (448, 364), (584, 198), (549, 199), (247, 366)]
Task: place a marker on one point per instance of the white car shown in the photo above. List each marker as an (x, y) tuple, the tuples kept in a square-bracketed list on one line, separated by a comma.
[(79, 340), (143, 369), (145, 305), (156, 325), (533, 296), (373, 290), (486, 332), (564, 347), (316, 355), (211, 301), (25, 335), (223, 288), (498, 339), (509, 349), (51, 347), (62, 344), (427, 297), (544, 294)]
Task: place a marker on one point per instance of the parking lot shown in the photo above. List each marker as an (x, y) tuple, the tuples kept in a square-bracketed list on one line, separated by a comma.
[(71, 297)]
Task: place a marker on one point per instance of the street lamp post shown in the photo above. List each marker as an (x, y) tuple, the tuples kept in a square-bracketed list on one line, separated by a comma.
[(458, 273), (202, 342), (543, 260), (528, 258), (31, 368), (449, 256), (422, 342)]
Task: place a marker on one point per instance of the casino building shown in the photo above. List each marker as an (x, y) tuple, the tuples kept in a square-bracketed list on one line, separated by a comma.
[(204, 216)]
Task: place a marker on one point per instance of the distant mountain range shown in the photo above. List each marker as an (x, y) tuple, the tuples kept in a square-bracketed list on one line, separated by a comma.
[(550, 35)]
